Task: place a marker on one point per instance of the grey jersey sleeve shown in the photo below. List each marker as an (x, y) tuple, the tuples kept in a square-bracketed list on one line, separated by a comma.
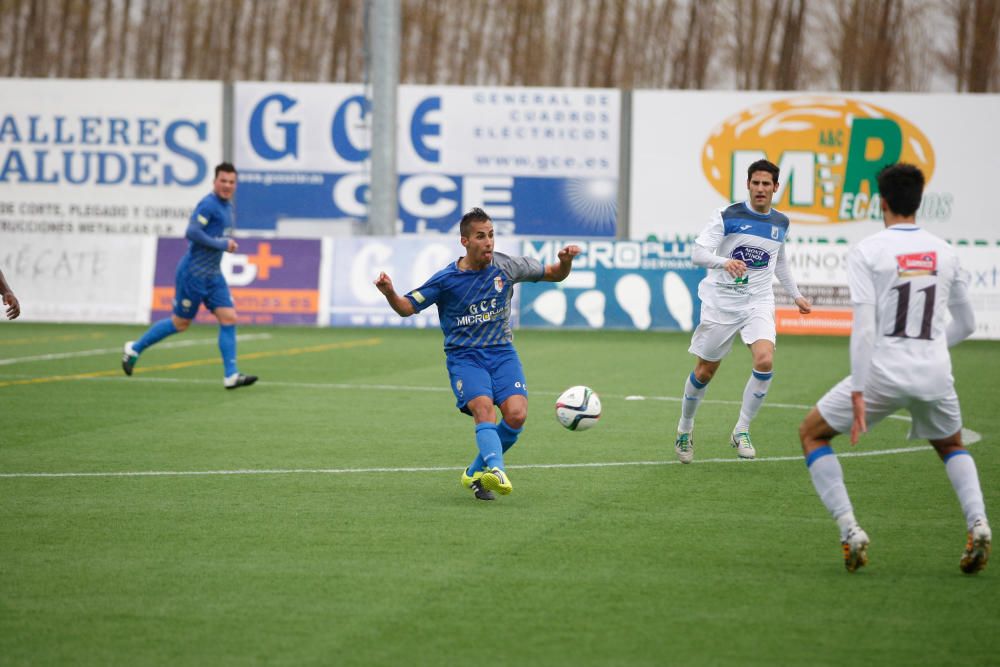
[(519, 269)]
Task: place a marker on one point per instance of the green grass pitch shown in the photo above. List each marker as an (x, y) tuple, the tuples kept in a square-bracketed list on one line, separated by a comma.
[(317, 517)]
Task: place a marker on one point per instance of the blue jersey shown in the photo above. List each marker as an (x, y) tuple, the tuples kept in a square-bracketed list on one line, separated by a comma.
[(208, 234), (474, 306)]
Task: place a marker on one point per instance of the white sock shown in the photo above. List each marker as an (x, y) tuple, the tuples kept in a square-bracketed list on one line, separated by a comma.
[(845, 522), (964, 478), (694, 391), (828, 480), (753, 397)]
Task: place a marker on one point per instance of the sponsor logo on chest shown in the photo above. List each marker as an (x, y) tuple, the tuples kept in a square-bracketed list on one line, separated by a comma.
[(916, 264), (752, 256)]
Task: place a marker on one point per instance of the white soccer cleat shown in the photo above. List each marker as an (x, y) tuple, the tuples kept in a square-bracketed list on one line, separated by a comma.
[(855, 547), (684, 446), (744, 448), (977, 548), (237, 380)]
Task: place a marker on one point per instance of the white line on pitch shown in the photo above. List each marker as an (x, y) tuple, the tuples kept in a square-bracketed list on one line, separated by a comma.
[(971, 438), (190, 342)]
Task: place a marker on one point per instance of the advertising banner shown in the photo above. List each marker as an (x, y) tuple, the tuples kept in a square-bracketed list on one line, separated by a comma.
[(821, 275), (95, 157), (272, 281), (540, 161), (615, 285), (409, 261), (983, 265), (829, 148), (85, 278)]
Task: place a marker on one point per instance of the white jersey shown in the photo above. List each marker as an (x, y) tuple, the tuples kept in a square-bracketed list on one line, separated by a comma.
[(909, 275), (738, 232)]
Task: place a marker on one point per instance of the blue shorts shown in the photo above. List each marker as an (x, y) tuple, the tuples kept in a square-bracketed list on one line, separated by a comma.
[(484, 371), (191, 291)]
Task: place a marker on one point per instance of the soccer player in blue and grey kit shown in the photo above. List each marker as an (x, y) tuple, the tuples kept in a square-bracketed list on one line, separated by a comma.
[(200, 280), (473, 295)]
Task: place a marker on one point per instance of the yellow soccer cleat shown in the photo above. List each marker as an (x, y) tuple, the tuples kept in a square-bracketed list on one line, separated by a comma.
[(468, 480), (496, 480)]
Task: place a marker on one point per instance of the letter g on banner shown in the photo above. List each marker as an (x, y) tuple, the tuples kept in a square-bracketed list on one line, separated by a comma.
[(290, 129)]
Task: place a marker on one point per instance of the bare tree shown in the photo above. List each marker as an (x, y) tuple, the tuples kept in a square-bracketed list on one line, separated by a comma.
[(973, 58), (878, 44), (695, 53), (688, 44)]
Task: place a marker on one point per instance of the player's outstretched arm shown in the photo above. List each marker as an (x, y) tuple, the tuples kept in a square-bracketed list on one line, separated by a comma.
[(9, 300), (555, 273), (402, 305)]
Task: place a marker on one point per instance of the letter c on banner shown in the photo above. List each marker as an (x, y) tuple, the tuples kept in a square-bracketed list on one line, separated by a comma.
[(369, 258), (342, 129), (419, 129)]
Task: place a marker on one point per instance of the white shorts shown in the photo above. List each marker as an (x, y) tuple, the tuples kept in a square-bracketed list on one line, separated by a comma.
[(932, 420), (713, 338)]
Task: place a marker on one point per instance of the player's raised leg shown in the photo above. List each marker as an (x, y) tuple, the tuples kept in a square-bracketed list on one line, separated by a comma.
[(154, 334), (694, 391), (828, 480)]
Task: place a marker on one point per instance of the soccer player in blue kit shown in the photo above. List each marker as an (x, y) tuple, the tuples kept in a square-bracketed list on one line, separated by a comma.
[(199, 280), (473, 295)]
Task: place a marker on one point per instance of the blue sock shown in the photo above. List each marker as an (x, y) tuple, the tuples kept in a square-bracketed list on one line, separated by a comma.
[(508, 435), (490, 449), (155, 334), (227, 346)]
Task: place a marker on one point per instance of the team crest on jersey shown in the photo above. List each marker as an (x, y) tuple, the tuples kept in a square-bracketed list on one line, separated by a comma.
[(916, 264), (775, 232), (752, 256), (498, 283)]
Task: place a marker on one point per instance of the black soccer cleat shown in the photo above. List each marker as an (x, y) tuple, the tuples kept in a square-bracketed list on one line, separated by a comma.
[(241, 381), (481, 493), (129, 357)]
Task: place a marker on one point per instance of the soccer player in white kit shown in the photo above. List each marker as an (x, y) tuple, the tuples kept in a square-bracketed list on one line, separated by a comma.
[(904, 281), (743, 248)]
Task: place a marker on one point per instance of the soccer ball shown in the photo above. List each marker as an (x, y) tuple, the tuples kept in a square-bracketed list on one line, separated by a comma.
[(578, 408)]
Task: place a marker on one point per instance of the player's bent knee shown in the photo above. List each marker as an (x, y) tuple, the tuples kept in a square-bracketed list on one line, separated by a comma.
[(181, 324), (947, 446), (516, 420)]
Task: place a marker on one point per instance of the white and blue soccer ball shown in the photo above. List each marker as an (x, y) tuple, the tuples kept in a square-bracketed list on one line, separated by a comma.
[(578, 408)]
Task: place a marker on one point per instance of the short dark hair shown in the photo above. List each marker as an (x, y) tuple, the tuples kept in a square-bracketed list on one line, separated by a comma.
[(763, 165), (226, 167), (901, 186), (474, 215)]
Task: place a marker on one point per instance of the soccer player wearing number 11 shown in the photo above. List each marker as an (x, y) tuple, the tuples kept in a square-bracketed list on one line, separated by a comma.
[(904, 281), (473, 296)]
